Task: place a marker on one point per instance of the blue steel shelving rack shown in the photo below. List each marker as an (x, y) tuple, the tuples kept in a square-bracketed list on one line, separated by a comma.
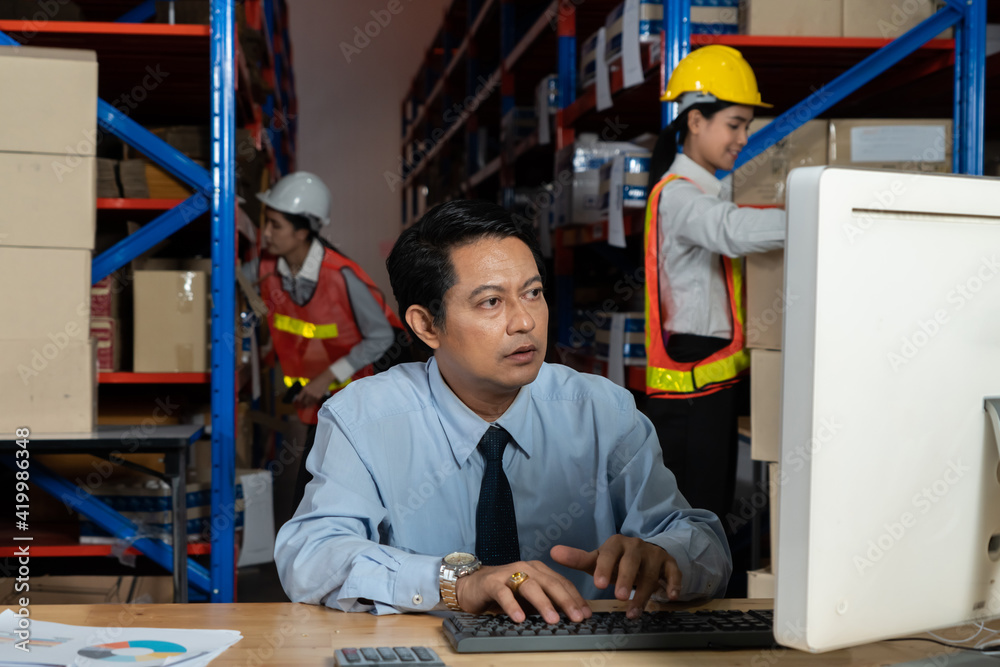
[(215, 192), (969, 20)]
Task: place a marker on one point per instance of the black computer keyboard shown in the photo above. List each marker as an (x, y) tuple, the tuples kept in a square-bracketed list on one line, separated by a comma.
[(717, 629)]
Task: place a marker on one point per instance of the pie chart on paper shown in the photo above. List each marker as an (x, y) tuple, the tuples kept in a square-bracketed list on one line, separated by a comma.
[(133, 651)]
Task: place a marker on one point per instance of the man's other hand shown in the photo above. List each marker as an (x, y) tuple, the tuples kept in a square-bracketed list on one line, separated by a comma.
[(316, 391), (544, 589), (630, 562)]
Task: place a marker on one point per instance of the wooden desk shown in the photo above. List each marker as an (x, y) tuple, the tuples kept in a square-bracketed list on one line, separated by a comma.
[(293, 635)]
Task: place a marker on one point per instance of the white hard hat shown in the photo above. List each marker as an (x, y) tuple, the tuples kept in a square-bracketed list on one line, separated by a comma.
[(300, 193)]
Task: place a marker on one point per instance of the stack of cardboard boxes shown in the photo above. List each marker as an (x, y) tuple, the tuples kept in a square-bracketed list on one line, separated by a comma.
[(47, 229), (886, 19), (910, 144)]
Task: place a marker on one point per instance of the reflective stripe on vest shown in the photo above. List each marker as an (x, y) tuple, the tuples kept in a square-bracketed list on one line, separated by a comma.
[(304, 329), (664, 376), (290, 382)]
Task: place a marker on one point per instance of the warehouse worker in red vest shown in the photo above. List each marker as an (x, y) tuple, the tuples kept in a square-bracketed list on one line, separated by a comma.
[(695, 238), (328, 320)]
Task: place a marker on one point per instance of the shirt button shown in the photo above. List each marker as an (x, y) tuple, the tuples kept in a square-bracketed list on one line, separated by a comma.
[(418, 599)]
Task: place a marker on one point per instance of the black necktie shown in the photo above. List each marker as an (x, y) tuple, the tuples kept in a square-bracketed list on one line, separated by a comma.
[(496, 525)]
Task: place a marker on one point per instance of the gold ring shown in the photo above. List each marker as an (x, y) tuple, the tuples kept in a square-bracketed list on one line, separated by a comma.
[(516, 580)]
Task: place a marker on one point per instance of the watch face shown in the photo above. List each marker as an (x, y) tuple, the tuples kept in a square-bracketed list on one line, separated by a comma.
[(458, 559)]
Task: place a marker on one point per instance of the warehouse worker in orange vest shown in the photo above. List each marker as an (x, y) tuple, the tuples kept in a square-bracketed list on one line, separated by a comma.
[(328, 320), (695, 238)]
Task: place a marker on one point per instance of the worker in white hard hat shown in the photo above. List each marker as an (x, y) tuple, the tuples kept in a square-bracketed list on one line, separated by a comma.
[(695, 240), (328, 321)]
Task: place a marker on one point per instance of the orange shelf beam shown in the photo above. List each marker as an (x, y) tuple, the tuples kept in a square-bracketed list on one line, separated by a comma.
[(89, 550), (137, 204), (153, 378), (105, 28)]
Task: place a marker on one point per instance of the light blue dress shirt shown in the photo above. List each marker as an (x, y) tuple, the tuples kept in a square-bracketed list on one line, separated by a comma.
[(396, 477)]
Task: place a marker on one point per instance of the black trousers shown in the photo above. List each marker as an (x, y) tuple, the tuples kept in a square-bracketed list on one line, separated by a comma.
[(699, 436), (699, 439), (304, 475)]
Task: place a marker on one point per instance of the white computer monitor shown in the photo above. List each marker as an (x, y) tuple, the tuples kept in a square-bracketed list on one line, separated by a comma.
[(889, 510)]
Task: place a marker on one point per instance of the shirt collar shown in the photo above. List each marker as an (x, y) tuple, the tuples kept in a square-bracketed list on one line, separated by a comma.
[(310, 267), (704, 179), (464, 428)]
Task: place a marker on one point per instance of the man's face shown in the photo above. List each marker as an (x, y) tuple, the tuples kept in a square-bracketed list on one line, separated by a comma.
[(496, 321), (279, 235)]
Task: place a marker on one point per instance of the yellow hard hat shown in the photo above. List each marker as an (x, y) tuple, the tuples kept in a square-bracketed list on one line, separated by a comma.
[(720, 71)]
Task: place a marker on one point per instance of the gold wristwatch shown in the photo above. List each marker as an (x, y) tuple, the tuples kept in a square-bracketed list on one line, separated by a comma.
[(454, 566)]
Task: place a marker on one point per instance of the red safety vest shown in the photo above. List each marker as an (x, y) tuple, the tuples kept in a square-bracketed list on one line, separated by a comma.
[(309, 338), (666, 378)]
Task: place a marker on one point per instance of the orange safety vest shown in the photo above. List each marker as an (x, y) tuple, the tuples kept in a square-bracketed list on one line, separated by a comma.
[(309, 338), (666, 378)]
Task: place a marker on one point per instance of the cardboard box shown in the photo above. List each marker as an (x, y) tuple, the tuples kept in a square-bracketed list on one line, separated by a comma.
[(766, 299), (47, 387), (56, 194), (774, 498), (171, 312), (163, 185), (765, 404), (760, 584), (901, 144), (761, 182), (47, 298), (813, 18), (886, 19), (49, 101)]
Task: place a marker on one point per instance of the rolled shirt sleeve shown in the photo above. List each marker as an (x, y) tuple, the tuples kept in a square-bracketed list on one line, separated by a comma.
[(329, 552)]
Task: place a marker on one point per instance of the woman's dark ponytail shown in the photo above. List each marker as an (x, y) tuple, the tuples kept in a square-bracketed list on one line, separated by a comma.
[(664, 152)]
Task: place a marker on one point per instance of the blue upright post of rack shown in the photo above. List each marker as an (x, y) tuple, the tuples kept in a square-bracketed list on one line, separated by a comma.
[(970, 76), (676, 45), (223, 56)]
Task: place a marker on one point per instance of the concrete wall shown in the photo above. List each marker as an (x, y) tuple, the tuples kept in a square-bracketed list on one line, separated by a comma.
[(349, 111)]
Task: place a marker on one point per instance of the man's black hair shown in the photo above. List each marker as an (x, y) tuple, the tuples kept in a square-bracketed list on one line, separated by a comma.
[(420, 266)]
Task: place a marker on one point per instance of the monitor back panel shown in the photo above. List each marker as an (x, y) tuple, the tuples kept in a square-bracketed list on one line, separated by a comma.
[(889, 468)]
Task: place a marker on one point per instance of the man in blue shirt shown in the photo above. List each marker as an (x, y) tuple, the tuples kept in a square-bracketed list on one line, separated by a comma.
[(578, 498)]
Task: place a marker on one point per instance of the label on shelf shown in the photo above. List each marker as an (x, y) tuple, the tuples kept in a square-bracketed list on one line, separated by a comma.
[(631, 62), (616, 189), (603, 77)]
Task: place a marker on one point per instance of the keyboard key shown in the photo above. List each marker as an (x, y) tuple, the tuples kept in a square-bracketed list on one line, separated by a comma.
[(404, 654), (370, 654), (387, 653), (351, 655)]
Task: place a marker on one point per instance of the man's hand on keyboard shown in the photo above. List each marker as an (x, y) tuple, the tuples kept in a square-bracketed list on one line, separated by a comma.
[(544, 589), (631, 562)]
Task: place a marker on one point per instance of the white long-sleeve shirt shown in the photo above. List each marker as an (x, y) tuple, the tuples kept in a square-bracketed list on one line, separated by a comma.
[(697, 224)]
